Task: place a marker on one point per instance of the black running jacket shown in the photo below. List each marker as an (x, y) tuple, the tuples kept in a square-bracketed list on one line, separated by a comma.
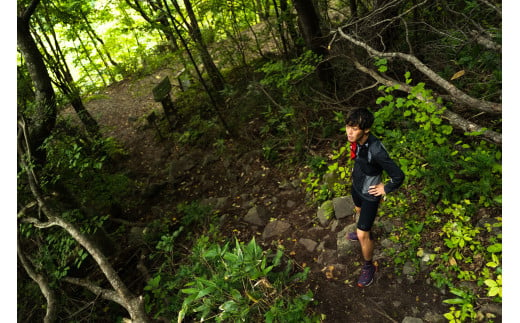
[(370, 161)]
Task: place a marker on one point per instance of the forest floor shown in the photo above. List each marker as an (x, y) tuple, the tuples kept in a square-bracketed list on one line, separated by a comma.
[(245, 177)]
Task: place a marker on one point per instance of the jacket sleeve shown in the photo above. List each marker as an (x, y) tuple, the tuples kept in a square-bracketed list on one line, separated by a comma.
[(395, 173)]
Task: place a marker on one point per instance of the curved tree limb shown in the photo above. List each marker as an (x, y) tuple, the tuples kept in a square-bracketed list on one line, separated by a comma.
[(133, 304), (43, 283), (485, 41), (456, 94), (454, 118), (103, 292)]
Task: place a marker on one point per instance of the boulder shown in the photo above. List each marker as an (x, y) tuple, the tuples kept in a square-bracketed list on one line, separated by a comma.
[(343, 206), (275, 228), (309, 244), (325, 213), (258, 215)]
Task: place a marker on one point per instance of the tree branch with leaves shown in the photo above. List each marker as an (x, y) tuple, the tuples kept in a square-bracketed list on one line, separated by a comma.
[(120, 293)]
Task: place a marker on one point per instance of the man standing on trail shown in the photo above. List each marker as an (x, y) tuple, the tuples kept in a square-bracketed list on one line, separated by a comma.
[(370, 159)]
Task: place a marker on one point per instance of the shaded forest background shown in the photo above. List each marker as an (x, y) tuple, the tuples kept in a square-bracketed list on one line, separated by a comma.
[(276, 77)]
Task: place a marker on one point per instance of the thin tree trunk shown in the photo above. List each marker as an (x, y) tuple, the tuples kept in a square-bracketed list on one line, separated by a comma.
[(353, 8), (199, 74), (161, 23), (288, 19), (89, 57), (43, 119), (64, 79), (101, 54), (310, 24), (280, 30), (214, 74), (95, 36)]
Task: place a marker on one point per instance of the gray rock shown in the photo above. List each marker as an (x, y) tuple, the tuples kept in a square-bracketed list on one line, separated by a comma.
[(275, 228), (492, 308), (408, 268), (343, 206), (346, 247), (257, 215), (290, 204), (328, 257), (334, 225), (387, 225), (434, 317), (215, 202), (330, 179), (410, 319), (325, 213), (309, 244)]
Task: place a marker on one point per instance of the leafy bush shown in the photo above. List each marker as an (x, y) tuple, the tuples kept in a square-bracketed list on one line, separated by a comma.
[(82, 166), (226, 283)]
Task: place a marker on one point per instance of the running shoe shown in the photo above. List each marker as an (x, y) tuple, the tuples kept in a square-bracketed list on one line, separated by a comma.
[(367, 275), (352, 236)]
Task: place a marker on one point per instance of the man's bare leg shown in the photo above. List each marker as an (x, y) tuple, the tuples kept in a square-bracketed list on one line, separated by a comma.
[(367, 245)]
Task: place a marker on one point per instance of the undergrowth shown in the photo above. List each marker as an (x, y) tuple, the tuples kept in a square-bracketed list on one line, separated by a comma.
[(222, 280), (447, 205)]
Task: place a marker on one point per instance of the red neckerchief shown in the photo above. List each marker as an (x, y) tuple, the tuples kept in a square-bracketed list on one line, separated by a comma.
[(353, 150)]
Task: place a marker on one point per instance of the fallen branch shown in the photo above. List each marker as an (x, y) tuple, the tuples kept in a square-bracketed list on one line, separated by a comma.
[(133, 304), (43, 283), (454, 118), (102, 292), (456, 94)]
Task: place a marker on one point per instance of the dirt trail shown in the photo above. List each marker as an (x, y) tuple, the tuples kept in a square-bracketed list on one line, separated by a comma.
[(248, 178)]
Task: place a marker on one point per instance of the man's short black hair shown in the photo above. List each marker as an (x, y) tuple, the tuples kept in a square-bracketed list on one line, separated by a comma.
[(361, 118)]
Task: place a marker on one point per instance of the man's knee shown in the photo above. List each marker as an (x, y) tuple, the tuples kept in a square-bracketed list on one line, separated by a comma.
[(364, 235)]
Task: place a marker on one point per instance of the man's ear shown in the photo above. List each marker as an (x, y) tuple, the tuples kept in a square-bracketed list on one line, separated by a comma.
[(367, 131)]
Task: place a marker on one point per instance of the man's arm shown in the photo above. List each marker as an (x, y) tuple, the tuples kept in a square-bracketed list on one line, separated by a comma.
[(390, 167)]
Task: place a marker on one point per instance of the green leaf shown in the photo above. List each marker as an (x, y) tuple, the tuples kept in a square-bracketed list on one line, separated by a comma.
[(189, 290), (454, 301), (490, 283), (497, 247)]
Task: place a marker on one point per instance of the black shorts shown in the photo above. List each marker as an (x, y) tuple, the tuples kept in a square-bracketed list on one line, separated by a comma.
[(368, 211)]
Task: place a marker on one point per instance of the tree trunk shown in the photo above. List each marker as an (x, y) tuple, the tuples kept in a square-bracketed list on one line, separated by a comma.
[(281, 30), (314, 39), (161, 22), (95, 37), (64, 80), (353, 8), (43, 120), (121, 293), (214, 74), (288, 19), (215, 102)]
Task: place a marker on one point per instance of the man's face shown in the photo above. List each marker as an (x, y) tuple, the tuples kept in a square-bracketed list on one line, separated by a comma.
[(354, 133)]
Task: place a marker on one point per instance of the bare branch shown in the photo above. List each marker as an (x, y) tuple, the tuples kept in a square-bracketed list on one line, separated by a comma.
[(134, 305), (43, 283), (487, 3), (39, 224), (26, 208), (456, 94), (454, 118), (485, 41), (102, 292)]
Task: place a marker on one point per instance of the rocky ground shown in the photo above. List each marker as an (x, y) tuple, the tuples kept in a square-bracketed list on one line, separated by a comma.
[(268, 203)]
